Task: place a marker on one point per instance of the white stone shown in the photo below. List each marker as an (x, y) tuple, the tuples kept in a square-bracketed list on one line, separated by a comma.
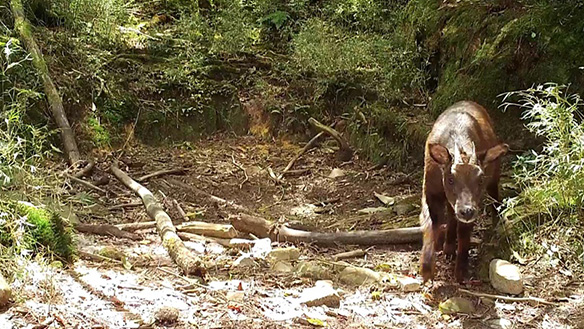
[(244, 261), (409, 284), (235, 296), (357, 276), (505, 277), (283, 254)]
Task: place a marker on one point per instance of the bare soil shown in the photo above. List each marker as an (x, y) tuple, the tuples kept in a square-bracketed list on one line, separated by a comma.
[(131, 292)]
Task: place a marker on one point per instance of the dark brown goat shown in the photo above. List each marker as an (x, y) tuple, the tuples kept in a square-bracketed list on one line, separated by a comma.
[(462, 159)]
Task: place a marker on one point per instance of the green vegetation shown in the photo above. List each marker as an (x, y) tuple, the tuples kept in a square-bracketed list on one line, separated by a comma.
[(546, 217), (25, 230)]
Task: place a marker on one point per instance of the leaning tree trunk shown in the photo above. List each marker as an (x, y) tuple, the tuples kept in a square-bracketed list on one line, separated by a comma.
[(23, 27)]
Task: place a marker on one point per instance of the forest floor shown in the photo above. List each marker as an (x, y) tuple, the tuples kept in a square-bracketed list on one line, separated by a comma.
[(130, 293)]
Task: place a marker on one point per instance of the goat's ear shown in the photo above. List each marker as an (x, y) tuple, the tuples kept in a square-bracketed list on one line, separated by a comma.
[(439, 154), (494, 153)]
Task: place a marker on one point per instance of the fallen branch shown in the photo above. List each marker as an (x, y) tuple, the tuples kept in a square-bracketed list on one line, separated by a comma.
[(306, 147), (24, 29), (180, 210), (345, 152), (208, 229), (242, 169), (85, 170), (265, 229), (200, 228), (509, 299), (97, 258), (125, 205), (349, 254), (182, 256), (196, 237), (86, 184), (105, 229), (163, 172), (131, 227)]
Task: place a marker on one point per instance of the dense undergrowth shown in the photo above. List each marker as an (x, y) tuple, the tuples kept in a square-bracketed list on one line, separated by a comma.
[(28, 227), (546, 217), (183, 69)]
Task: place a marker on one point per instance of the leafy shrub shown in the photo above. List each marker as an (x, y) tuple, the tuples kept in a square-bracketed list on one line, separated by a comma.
[(548, 211)]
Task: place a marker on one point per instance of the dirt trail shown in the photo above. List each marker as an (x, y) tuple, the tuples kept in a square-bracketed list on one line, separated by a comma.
[(116, 295)]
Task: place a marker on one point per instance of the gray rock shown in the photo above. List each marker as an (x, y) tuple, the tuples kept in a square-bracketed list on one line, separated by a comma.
[(499, 324), (358, 276), (235, 296), (336, 173), (283, 267), (283, 254), (456, 305), (322, 293), (244, 261), (505, 277), (314, 270), (408, 284), (166, 315)]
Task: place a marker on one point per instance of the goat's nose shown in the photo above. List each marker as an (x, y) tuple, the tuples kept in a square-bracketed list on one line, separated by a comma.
[(467, 213)]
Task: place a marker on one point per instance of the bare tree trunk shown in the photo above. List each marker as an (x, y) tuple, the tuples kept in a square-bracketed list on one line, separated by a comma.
[(24, 29), (177, 250)]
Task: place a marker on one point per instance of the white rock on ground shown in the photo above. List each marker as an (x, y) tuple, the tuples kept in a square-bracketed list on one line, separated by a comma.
[(261, 248), (235, 296), (283, 267), (5, 291), (456, 305), (322, 293), (313, 269), (505, 277), (244, 261), (336, 173), (283, 254), (499, 324), (357, 276), (408, 284)]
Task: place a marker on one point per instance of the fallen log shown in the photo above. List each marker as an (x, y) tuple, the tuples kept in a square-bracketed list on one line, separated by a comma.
[(345, 152), (182, 256), (163, 172), (200, 228), (208, 229), (105, 229), (266, 229), (24, 28), (196, 237)]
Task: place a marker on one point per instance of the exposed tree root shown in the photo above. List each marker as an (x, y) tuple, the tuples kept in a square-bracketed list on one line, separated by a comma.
[(178, 171), (345, 152)]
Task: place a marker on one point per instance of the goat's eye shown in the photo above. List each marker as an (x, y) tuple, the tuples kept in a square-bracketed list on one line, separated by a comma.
[(451, 180)]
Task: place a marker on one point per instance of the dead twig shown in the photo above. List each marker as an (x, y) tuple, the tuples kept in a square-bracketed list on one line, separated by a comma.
[(242, 169), (509, 299), (85, 170), (125, 205), (349, 254), (176, 171), (306, 147), (86, 183), (180, 210), (105, 229)]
